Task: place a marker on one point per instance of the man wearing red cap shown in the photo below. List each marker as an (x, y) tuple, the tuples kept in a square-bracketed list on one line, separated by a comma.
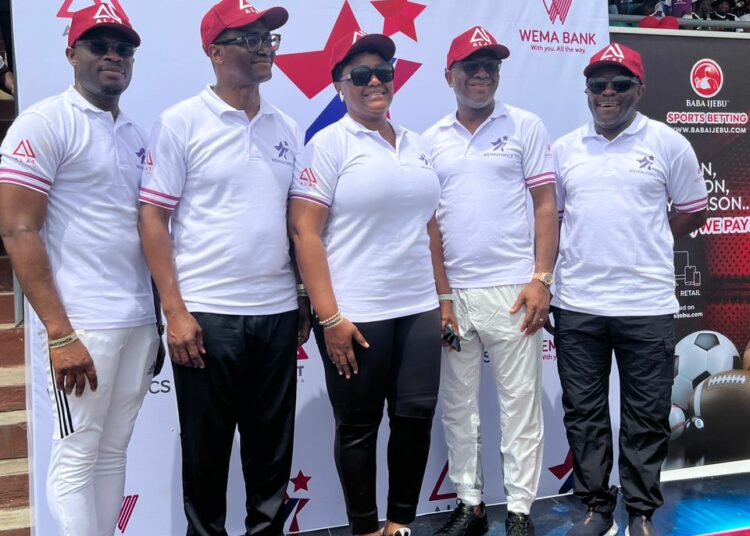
[(615, 287), (71, 165), (490, 157), (213, 225)]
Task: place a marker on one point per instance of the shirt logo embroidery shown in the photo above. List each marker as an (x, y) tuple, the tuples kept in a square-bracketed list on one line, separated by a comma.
[(499, 144), (307, 178), (647, 161), (424, 159), (283, 148), (149, 162), (142, 155), (25, 153)]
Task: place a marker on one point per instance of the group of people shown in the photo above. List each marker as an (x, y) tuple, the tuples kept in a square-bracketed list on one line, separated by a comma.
[(382, 241), (664, 14)]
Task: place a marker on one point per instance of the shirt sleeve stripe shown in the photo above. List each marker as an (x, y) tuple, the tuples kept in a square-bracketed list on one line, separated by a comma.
[(309, 198), (26, 174), (545, 174), (692, 206), (540, 182), (25, 184), (154, 202), (160, 194)]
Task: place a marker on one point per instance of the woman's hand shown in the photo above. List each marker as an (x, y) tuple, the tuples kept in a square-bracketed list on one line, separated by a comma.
[(340, 348)]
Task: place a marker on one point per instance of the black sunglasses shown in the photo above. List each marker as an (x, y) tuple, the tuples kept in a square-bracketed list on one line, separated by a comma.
[(362, 74), (620, 84), (254, 41), (472, 67), (99, 47)]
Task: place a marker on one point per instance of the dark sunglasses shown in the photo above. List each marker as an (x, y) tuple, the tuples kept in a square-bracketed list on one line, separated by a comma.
[(362, 74), (99, 47), (620, 84), (254, 41), (472, 67)]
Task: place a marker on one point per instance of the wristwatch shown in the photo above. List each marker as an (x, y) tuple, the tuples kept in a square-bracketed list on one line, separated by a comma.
[(545, 278)]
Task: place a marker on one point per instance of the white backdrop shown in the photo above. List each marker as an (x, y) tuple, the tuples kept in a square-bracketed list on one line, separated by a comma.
[(550, 42)]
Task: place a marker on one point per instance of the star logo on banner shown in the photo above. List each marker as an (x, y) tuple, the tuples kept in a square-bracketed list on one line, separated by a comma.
[(399, 16), (311, 71), (563, 470), (300, 481)]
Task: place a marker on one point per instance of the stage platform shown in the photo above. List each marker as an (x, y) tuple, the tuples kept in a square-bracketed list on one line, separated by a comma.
[(712, 505)]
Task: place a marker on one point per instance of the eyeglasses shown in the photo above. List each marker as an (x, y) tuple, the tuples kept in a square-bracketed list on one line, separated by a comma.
[(620, 84), (472, 67), (99, 47), (362, 74), (254, 41)]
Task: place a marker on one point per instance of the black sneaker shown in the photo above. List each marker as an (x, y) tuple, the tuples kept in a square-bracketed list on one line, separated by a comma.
[(595, 524), (518, 525), (466, 520), (640, 525)]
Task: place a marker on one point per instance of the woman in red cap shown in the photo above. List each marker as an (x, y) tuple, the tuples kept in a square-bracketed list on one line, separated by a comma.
[(362, 220)]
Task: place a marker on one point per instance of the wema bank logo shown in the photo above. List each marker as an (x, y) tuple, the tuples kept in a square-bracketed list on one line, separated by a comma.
[(706, 78), (126, 511), (557, 9)]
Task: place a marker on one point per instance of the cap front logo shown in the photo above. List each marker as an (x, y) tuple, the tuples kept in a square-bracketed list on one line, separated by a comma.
[(480, 38), (247, 7), (107, 13), (613, 53), (359, 34)]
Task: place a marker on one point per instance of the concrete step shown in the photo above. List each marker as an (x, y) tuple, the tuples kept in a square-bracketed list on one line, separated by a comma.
[(15, 521), (11, 347), (12, 388), (14, 483), (13, 443)]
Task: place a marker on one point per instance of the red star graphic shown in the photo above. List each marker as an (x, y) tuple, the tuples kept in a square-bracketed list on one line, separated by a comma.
[(311, 71), (399, 16), (564, 468), (300, 481)]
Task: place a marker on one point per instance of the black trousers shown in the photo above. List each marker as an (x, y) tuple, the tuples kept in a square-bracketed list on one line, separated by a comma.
[(249, 383), (644, 350), (402, 366)]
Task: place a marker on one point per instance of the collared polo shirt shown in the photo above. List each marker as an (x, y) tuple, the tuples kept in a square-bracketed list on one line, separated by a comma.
[(380, 200), (616, 247), (89, 166), (485, 178), (226, 178)]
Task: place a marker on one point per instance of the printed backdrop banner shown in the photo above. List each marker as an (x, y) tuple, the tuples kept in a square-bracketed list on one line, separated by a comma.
[(698, 84), (550, 42)]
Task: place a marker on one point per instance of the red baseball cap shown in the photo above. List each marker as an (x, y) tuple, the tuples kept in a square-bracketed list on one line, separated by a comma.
[(616, 54), (229, 14), (100, 16), (354, 42), (473, 40), (659, 23)]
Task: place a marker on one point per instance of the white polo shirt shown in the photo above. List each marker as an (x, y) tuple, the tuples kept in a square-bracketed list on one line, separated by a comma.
[(485, 178), (616, 248), (380, 200), (227, 180), (89, 166)]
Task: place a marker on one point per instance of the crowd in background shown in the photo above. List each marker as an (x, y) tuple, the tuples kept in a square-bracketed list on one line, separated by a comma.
[(665, 13)]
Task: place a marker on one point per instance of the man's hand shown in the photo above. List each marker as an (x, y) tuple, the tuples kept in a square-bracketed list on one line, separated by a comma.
[(185, 340), (72, 365), (447, 316), (339, 346), (304, 322), (536, 298)]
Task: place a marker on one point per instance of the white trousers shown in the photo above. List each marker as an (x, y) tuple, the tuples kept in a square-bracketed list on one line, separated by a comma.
[(86, 478), (516, 362)]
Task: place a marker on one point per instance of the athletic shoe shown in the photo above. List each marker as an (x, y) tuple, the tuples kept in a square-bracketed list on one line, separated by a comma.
[(518, 525), (595, 524), (403, 531), (466, 520), (640, 525)]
